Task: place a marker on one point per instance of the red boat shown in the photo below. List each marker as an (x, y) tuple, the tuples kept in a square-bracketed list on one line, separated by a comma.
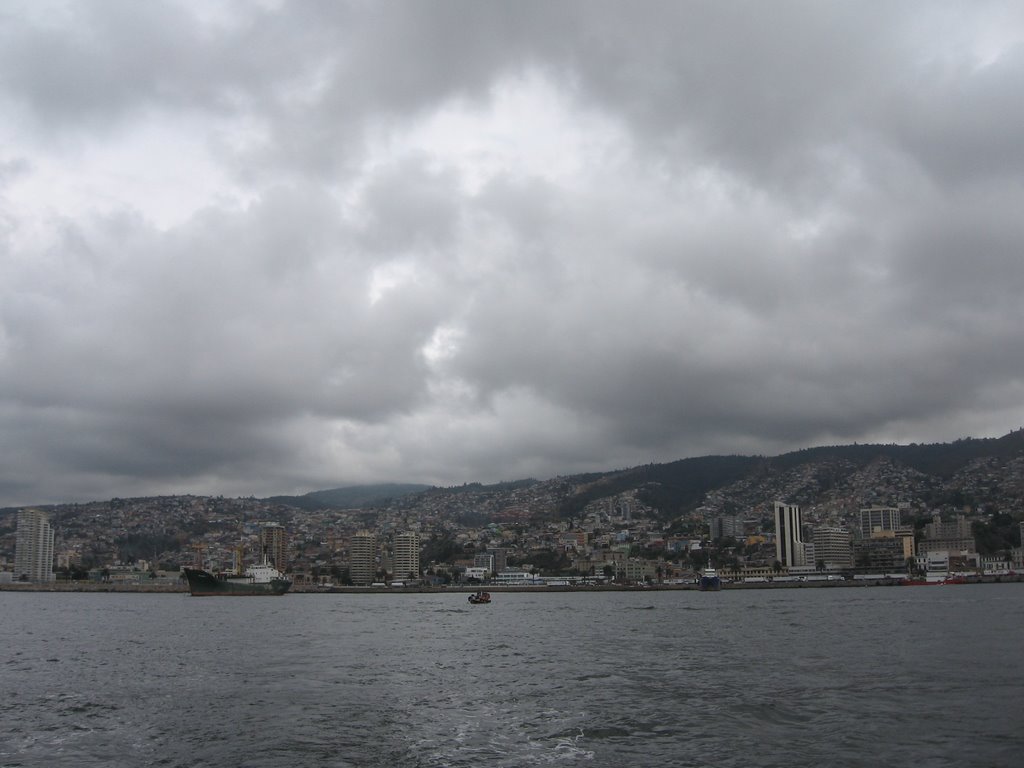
[(925, 583)]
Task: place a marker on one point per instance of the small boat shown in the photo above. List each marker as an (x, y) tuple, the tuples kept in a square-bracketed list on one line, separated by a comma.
[(709, 581), (261, 579), (480, 598)]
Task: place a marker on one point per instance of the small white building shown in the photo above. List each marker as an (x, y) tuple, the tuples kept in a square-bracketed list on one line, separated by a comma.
[(934, 562), (515, 577), (480, 574)]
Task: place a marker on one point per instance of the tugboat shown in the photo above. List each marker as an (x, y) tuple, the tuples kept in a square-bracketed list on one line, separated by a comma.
[(709, 580), (261, 579), (480, 598)]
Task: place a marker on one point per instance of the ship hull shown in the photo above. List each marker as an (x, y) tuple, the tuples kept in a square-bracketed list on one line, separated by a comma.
[(204, 584), (709, 584)]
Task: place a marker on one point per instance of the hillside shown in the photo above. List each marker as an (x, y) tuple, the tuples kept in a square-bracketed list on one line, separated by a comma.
[(984, 478), (350, 497), (966, 473)]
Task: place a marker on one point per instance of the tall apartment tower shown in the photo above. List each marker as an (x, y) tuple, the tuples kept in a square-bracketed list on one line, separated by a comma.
[(274, 541), (878, 519), (726, 525), (789, 542), (363, 558), (406, 562), (33, 546)]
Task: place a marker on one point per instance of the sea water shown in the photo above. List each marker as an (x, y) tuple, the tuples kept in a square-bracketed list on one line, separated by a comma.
[(901, 676)]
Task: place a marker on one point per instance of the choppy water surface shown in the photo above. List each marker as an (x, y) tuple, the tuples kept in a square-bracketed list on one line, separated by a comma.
[(925, 677)]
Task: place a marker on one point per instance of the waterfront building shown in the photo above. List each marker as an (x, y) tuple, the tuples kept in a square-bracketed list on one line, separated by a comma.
[(1017, 558), (789, 542), (882, 553), (363, 558), (954, 536), (833, 547), (936, 561), (33, 546), (997, 564), (475, 574), (274, 542), (637, 570), (879, 518), (406, 560), (906, 537), (517, 577)]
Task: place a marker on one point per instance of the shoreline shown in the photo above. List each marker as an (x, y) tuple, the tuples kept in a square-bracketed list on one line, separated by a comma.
[(175, 589)]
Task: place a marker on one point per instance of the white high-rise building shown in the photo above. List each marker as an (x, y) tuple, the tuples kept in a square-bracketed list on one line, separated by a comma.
[(789, 542), (33, 546)]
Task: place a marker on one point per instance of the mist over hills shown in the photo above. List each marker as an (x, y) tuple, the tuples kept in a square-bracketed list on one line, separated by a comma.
[(969, 471), (966, 471), (350, 497)]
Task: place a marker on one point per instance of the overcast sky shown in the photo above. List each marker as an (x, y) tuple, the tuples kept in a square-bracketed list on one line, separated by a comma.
[(269, 247)]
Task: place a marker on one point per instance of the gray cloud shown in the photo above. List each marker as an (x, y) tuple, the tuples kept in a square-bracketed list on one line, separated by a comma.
[(261, 248)]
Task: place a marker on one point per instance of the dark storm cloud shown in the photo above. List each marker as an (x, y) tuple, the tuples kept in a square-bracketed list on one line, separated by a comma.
[(262, 247)]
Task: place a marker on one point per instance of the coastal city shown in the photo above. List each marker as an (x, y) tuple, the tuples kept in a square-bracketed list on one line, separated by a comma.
[(528, 533)]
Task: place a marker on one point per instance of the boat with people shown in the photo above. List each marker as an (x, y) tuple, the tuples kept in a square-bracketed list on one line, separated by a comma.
[(258, 579), (480, 598), (709, 581)]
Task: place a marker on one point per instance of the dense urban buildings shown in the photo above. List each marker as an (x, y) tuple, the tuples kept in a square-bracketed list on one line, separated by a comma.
[(568, 528), (33, 554)]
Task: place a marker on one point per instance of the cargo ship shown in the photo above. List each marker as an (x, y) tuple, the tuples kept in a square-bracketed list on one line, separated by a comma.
[(709, 581), (262, 579)]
